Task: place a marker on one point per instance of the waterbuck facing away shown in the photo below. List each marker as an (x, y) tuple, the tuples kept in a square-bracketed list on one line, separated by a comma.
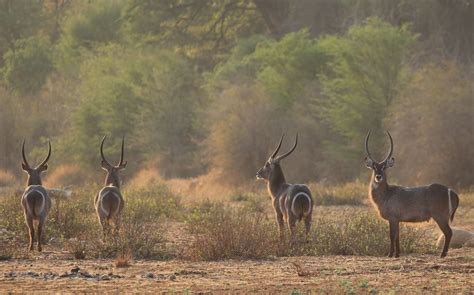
[(109, 202), (409, 204), (35, 201), (292, 202)]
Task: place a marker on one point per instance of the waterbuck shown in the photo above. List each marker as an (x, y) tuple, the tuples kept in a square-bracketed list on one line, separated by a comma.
[(109, 202), (292, 202), (35, 201), (409, 204)]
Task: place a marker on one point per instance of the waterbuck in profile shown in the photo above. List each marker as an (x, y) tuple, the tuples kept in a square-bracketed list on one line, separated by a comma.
[(35, 201), (409, 204), (109, 202), (292, 202)]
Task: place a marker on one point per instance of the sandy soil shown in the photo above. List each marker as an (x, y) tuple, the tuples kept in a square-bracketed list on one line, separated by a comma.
[(417, 273)]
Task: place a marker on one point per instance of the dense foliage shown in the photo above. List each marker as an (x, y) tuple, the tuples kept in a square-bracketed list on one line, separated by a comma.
[(199, 86)]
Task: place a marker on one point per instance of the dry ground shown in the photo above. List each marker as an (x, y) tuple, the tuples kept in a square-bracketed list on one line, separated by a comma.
[(51, 271), (418, 273)]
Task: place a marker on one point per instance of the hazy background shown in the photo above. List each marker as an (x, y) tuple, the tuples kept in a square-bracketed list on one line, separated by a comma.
[(202, 87)]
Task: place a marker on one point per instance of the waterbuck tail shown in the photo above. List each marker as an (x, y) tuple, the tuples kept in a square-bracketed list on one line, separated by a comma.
[(453, 201), (35, 203), (110, 203), (304, 205)]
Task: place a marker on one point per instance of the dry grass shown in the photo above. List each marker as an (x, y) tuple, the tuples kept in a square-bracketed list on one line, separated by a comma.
[(145, 178), (352, 194), (466, 199), (223, 232), (123, 260), (7, 178), (67, 175), (73, 224)]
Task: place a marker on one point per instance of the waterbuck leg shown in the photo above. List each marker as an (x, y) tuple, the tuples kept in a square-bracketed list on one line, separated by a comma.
[(29, 222), (397, 239), (393, 235), (117, 224), (307, 224), (292, 226), (448, 233), (40, 232), (281, 226)]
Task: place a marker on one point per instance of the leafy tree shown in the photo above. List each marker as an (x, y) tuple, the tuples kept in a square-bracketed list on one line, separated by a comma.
[(261, 91), (168, 116), (149, 96), (283, 67), (88, 26), (19, 19), (433, 127), (364, 75), (28, 65), (202, 30)]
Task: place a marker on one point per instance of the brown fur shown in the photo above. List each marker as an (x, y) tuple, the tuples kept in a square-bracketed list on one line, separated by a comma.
[(109, 202), (35, 200), (283, 195), (416, 204)]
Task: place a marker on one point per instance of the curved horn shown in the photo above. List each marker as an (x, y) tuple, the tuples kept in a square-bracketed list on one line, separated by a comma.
[(290, 151), (391, 147), (102, 152), (121, 163), (278, 147), (23, 155), (367, 147), (47, 157)]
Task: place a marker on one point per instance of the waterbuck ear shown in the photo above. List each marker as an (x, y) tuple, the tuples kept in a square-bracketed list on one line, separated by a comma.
[(123, 166), (43, 168), (368, 163), (390, 162), (25, 167), (105, 166)]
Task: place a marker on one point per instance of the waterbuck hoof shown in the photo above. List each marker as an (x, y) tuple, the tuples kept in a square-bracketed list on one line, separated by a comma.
[(40, 249), (443, 254), (390, 255)]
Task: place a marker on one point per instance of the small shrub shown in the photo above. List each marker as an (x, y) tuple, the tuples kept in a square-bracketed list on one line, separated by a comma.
[(123, 259), (76, 247), (141, 240), (222, 233), (7, 178), (153, 202), (251, 201)]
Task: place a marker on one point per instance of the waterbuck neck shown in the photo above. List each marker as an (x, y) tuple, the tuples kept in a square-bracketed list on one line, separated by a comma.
[(112, 179), (378, 189), (33, 180), (276, 181)]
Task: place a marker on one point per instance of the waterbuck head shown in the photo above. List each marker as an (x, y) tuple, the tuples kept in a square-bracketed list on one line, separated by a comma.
[(272, 165), (112, 177), (34, 174), (379, 167)]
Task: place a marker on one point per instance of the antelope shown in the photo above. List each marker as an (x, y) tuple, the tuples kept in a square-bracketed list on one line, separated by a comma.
[(109, 202), (292, 202), (35, 200), (408, 204)]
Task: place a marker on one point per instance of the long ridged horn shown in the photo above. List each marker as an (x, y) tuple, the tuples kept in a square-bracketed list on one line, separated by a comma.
[(290, 151)]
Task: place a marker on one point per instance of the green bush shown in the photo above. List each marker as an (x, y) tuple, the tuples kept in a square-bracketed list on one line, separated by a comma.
[(28, 66)]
